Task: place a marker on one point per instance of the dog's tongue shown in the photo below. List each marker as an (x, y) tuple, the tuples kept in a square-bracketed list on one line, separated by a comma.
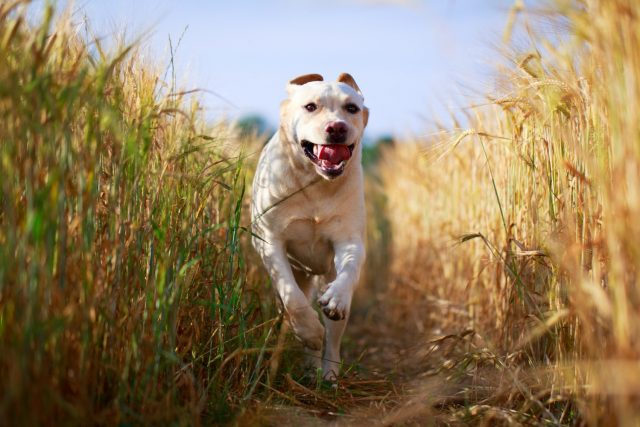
[(334, 153)]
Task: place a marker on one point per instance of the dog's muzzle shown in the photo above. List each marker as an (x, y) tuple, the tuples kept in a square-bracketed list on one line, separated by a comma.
[(330, 158)]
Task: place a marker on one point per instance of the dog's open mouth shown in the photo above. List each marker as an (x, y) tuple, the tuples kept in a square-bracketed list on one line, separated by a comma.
[(330, 158)]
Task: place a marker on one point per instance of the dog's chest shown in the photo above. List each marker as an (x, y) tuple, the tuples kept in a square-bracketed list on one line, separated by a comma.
[(309, 245)]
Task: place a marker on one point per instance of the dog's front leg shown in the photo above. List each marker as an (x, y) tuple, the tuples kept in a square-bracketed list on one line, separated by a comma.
[(303, 318), (348, 259), (336, 301)]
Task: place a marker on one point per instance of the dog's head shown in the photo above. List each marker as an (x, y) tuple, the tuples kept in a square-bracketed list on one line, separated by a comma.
[(324, 121)]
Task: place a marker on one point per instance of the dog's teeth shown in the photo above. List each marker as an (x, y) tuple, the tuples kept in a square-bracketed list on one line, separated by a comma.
[(316, 150)]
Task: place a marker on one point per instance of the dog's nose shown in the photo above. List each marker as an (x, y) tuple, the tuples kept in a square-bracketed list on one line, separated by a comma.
[(337, 131), (337, 128)]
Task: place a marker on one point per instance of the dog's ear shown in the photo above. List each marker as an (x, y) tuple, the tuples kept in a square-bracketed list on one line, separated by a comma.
[(301, 80), (347, 79), (365, 115)]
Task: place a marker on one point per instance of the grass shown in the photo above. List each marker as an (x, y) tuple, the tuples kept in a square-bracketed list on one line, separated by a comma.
[(125, 289), (528, 230), (502, 259)]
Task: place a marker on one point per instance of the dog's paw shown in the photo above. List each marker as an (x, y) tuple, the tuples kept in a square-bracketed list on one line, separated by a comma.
[(335, 302), (330, 370), (308, 328)]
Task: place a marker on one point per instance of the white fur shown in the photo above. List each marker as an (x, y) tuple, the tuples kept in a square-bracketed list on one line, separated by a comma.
[(311, 227)]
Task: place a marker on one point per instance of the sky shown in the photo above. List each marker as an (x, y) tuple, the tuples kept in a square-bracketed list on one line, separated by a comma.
[(414, 60)]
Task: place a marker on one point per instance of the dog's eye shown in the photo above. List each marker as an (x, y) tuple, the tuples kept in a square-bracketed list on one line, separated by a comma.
[(352, 108), (311, 107)]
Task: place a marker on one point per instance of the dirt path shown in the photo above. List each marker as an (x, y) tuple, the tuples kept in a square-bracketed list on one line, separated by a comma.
[(388, 379)]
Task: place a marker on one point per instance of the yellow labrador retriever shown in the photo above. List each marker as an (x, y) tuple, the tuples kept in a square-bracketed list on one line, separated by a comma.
[(308, 211)]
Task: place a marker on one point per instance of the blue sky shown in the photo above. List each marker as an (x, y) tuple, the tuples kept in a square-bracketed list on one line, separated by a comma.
[(413, 60)]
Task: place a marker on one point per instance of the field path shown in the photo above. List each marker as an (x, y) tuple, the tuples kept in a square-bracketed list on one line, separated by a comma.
[(387, 379)]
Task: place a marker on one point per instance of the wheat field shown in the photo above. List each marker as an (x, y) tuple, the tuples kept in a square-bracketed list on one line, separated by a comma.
[(501, 285)]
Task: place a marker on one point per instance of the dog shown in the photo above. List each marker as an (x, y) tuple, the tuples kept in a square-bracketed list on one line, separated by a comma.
[(308, 210)]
